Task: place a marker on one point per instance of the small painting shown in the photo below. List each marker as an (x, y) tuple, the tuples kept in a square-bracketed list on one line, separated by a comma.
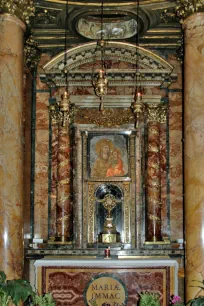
[(108, 156)]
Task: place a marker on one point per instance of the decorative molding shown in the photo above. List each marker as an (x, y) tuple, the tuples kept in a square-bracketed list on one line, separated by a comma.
[(186, 8), (23, 9), (153, 69), (101, 263), (109, 117)]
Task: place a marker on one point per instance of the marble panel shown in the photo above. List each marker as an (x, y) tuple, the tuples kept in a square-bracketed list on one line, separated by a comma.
[(67, 279), (176, 164), (163, 173), (41, 166)]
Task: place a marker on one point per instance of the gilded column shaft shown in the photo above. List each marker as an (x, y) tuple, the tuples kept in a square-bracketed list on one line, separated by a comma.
[(153, 187), (11, 152), (193, 151), (64, 201)]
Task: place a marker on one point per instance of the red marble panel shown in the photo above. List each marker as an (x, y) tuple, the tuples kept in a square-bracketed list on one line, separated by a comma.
[(163, 172), (64, 200), (52, 229), (153, 183), (176, 165), (41, 166), (68, 285)]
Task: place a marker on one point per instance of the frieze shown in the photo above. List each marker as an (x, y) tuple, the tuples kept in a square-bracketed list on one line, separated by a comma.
[(109, 118)]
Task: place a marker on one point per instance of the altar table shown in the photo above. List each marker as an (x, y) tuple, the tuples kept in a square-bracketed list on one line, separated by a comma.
[(68, 279)]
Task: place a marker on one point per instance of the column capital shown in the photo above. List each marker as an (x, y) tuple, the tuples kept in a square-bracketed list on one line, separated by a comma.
[(156, 112), (186, 8), (23, 9)]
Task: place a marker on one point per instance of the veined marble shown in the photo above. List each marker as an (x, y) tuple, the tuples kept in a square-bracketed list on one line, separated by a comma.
[(11, 151), (194, 150)]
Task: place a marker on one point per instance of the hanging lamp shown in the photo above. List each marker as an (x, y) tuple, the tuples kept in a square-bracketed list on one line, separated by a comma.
[(101, 83), (137, 104)]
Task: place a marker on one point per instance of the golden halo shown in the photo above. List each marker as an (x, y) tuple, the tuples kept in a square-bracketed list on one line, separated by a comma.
[(103, 142)]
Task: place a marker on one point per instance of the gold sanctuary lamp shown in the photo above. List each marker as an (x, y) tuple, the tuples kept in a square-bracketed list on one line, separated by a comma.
[(101, 83), (109, 234), (100, 87)]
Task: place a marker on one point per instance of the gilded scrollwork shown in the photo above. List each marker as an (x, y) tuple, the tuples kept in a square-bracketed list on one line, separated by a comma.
[(91, 211), (156, 112), (126, 190), (109, 117), (185, 8), (23, 9)]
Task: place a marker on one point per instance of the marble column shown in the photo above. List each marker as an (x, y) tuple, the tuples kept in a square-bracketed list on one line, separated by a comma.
[(153, 175), (194, 151), (64, 221), (54, 165), (11, 148), (78, 184)]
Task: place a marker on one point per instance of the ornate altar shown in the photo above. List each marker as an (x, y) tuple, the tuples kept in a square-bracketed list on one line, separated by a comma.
[(109, 178), (73, 282)]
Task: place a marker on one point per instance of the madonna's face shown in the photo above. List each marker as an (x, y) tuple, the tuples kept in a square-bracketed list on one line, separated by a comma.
[(105, 149)]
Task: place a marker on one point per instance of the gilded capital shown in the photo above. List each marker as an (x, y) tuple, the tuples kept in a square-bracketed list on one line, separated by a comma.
[(156, 112), (31, 53), (185, 8), (23, 9)]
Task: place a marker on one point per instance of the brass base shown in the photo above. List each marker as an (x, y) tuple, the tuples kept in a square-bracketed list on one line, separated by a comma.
[(59, 240), (109, 238), (157, 242)]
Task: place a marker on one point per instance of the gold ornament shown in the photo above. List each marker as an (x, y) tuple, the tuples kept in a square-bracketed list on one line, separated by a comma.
[(185, 8), (23, 9)]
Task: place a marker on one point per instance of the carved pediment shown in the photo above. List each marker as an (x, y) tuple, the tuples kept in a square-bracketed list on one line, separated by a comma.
[(83, 61)]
